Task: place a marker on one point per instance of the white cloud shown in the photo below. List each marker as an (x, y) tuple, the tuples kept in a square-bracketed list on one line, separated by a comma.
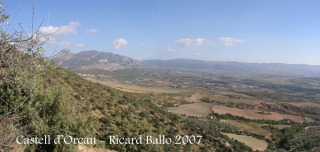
[(60, 30), (79, 45), (170, 49), (48, 33), (191, 42), (230, 41), (88, 31), (53, 41), (119, 43), (197, 54)]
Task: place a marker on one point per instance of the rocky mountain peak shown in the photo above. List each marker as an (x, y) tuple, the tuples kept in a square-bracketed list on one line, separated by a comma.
[(92, 59)]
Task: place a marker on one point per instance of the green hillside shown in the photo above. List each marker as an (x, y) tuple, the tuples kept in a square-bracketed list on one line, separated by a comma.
[(107, 111)]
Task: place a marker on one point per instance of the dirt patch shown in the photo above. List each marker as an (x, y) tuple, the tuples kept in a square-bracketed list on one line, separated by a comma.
[(254, 143), (253, 114), (198, 109)]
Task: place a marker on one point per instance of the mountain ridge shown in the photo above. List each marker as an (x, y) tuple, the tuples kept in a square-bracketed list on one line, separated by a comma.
[(193, 64), (92, 59)]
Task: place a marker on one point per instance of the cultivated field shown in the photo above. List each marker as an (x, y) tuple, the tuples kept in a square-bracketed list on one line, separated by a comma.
[(223, 96), (254, 143), (235, 98), (249, 127), (253, 114), (198, 109)]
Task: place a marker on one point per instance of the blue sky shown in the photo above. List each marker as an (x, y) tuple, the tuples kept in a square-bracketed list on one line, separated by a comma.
[(286, 31)]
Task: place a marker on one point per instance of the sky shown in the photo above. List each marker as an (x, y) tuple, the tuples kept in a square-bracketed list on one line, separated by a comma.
[(270, 31)]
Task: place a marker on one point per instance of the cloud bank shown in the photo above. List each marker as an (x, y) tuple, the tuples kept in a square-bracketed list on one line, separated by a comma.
[(70, 28)]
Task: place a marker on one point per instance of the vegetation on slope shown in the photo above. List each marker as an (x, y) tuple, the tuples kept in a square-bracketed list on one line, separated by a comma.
[(126, 115)]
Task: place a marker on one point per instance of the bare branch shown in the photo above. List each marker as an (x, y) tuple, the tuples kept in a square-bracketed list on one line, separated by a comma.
[(32, 15)]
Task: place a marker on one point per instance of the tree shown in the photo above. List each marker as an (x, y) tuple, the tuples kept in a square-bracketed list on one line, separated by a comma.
[(19, 75), (29, 106)]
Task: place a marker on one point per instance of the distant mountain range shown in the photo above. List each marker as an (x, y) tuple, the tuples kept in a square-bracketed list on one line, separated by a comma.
[(92, 60), (273, 68)]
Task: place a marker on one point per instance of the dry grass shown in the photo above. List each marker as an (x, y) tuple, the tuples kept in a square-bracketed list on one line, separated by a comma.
[(134, 88), (254, 143), (253, 114), (198, 109)]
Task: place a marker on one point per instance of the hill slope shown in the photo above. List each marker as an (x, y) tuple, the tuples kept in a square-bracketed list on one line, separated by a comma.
[(64, 103), (130, 115)]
